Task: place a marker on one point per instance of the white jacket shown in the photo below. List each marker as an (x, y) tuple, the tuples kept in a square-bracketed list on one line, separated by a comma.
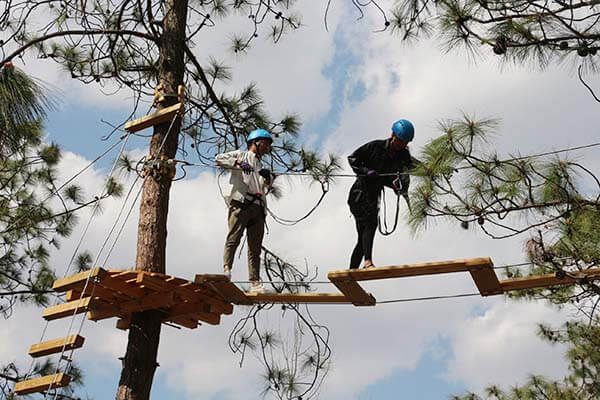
[(241, 184)]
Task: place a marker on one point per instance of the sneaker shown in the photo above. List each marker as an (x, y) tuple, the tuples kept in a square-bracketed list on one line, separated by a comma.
[(368, 265), (227, 271), (258, 288)]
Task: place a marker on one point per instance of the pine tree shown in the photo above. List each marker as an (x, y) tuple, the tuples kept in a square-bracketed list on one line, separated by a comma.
[(31, 224), (542, 199)]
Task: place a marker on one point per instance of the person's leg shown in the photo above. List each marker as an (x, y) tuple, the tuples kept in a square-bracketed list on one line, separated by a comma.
[(357, 253), (255, 230), (368, 236), (236, 221)]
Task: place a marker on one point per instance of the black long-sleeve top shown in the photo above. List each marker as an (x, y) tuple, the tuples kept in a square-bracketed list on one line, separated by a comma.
[(377, 155)]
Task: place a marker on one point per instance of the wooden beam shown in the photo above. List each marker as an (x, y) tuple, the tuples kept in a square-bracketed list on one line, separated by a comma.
[(42, 384), (223, 286), (538, 281), (217, 305), (400, 271), (199, 311), (485, 277), (185, 321), (150, 302), (105, 311), (66, 309), (99, 291), (354, 292), (56, 346), (123, 323), (73, 295), (285, 298), (159, 117), (116, 283), (78, 280)]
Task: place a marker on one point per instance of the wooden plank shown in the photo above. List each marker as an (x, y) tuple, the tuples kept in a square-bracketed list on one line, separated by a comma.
[(159, 117), (117, 284), (105, 311), (151, 281), (56, 346), (183, 289), (400, 271), (485, 277), (42, 384), (223, 286), (152, 301), (354, 292), (285, 298), (123, 274), (73, 295), (78, 280), (199, 311), (487, 282), (538, 281), (207, 295), (185, 321), (123, 323), (66, 309), (163, 283), (105, 294), (209, 318)]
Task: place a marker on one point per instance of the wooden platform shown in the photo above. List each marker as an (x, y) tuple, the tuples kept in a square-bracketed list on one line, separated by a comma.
[(117, 293)]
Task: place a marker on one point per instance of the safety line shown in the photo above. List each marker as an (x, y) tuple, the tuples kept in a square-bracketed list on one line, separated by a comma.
[(292, 173), (452, 296)]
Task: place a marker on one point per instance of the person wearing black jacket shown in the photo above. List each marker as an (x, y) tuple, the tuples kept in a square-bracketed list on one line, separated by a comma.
[(377, 164)]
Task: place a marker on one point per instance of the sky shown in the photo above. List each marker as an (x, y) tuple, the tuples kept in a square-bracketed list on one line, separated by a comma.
[(348, 85)]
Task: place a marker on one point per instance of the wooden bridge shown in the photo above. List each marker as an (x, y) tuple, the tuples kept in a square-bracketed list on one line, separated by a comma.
[(117, 294)]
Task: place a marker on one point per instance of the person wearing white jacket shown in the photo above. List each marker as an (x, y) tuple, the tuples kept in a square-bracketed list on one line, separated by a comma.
[(246, 199)]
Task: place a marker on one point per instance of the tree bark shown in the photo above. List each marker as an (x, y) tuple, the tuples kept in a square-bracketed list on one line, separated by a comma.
[(139, 363)]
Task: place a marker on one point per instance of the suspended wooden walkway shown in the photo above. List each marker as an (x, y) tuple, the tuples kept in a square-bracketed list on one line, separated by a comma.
[(106, 294)]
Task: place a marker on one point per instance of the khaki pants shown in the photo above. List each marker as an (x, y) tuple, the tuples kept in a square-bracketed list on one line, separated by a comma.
[(250, 217)]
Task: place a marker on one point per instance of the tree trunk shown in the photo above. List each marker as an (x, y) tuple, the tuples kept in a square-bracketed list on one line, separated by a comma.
[(139, 362)]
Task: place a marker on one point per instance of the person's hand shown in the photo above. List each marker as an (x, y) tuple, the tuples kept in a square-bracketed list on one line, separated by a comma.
[(265, 173), (372, 173), (247, 168)]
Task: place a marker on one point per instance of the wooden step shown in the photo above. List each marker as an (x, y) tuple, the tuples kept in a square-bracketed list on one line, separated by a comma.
[(66, 309), (78, 280), (56, 346), (353, 292), (538, 281), (42, 384), (285, 298), (159, 117), (222, 285)]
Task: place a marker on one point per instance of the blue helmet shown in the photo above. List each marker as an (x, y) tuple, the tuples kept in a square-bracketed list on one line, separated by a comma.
[(403, 129), (258, 134)]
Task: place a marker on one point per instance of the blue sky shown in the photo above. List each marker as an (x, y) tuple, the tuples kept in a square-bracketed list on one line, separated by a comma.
[(353, 84)]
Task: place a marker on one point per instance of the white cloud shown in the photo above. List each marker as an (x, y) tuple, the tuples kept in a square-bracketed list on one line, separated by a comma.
[(498, 347)]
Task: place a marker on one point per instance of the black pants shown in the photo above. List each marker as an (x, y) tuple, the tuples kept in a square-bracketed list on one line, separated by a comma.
[(365, 228)]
